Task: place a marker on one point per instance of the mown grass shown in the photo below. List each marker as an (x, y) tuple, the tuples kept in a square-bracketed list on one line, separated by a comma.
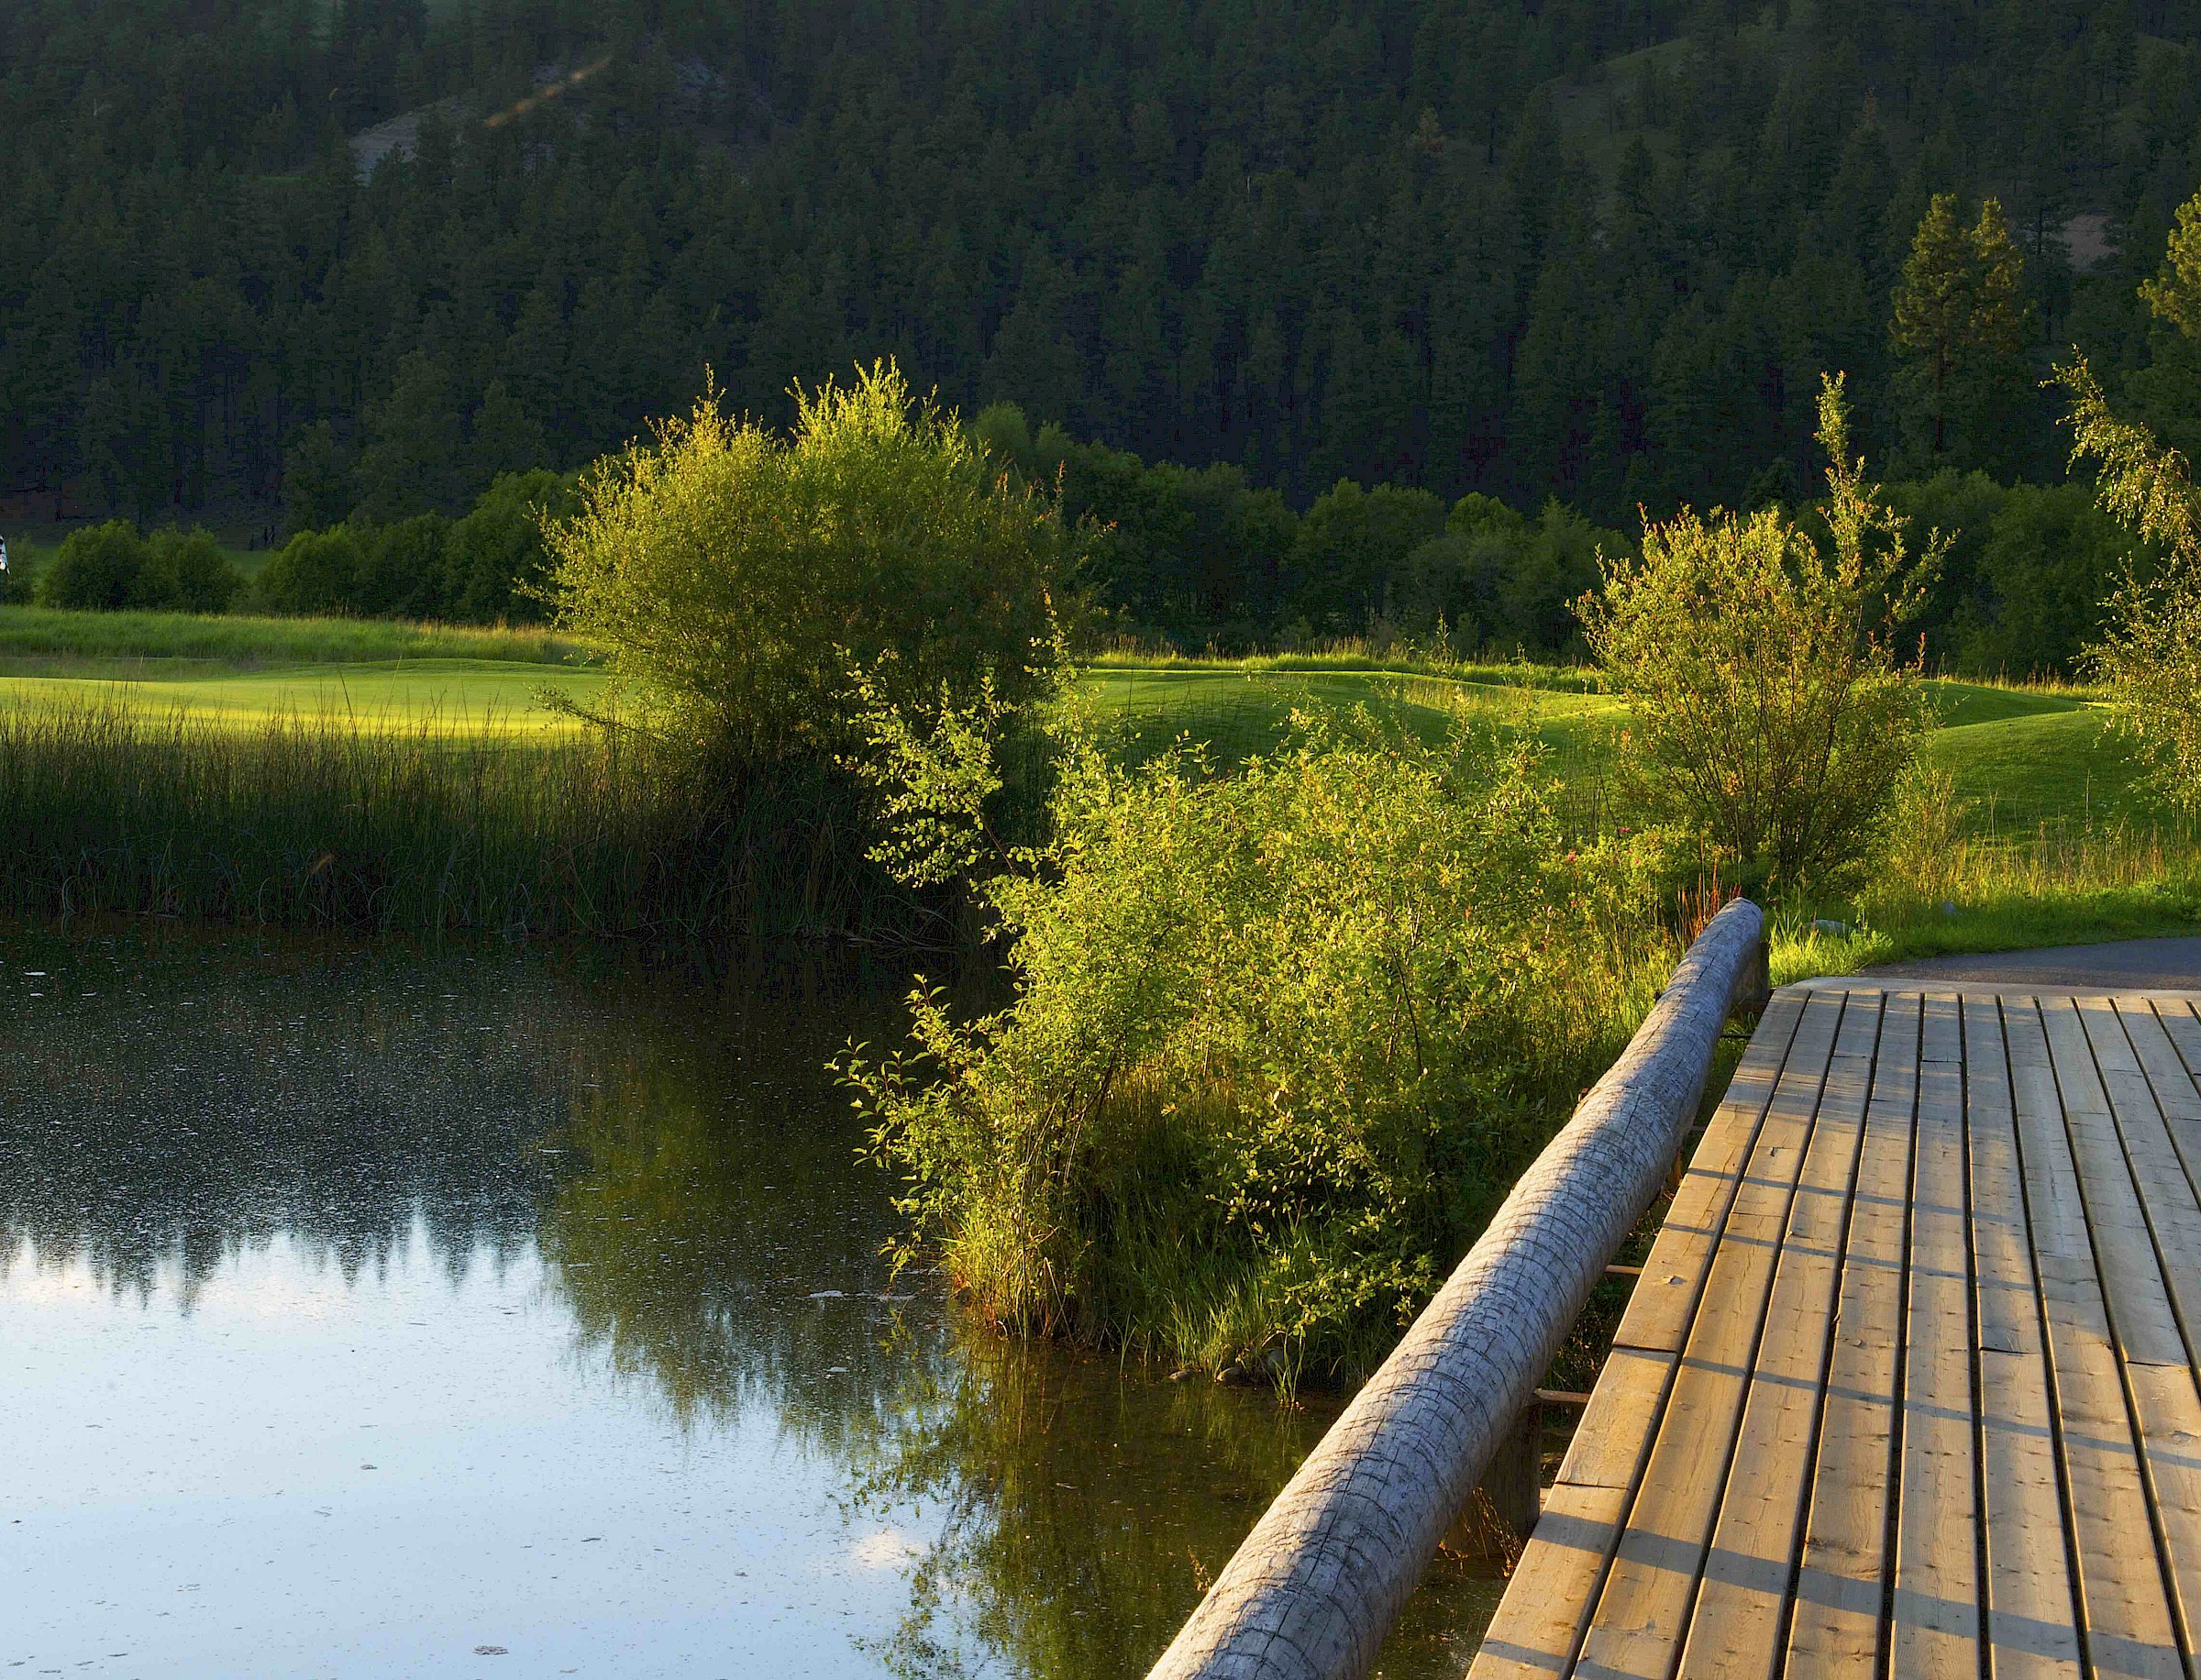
[(444, 697), (2062, 884), (52, 642)]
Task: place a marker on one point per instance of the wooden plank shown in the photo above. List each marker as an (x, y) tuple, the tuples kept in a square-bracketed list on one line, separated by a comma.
[(2031, 1625), (1934, 1615), (2168, 1076), (2177, 1098), (2183, 1024), (2157, 1222), (1540, 1620), (2123, 1601), (1835, 1625), (1615, 1431), (2115, 1035), (1642, 1606), (1737, 1624), (1664, 1299), (2140, 1315)]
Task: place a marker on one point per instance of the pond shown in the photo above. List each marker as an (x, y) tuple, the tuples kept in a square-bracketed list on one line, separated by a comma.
[(369, 1311)]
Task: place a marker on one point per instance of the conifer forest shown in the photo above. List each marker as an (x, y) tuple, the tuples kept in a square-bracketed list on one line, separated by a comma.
[(272, 265)]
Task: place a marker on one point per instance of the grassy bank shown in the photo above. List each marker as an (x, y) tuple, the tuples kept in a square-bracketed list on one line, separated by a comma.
[(47, 640), (406, 779), (2056, 840), (418, 697)]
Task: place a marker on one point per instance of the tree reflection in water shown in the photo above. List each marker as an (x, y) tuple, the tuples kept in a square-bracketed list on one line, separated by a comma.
[(688, 1173)]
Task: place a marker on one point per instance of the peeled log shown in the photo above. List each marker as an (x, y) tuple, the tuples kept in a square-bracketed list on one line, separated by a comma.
[(1317, 1584)]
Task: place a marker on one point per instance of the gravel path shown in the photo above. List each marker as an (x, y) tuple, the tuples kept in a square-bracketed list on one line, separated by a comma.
[(2126, 965)]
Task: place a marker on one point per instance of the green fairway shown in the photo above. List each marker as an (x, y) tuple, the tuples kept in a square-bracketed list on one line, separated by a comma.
[(454, 696), (2021, 771), (2021, 756)]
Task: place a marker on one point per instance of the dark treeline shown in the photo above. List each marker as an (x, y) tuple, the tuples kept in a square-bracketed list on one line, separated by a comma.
[(357, 261)]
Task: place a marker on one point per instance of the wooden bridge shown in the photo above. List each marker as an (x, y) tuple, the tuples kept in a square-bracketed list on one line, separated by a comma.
[(1908, 1384)]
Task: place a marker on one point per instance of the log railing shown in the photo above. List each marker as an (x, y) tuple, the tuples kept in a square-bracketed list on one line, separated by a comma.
[(1318, 1582)]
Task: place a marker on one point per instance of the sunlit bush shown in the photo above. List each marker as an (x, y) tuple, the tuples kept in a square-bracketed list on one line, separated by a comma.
[(1772, 712), (1280, 1042), (739, 578)]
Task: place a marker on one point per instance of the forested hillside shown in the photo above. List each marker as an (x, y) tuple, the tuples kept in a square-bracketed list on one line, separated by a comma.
[(282, 260)]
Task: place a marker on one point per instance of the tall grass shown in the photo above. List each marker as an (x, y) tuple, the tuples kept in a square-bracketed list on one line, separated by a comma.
[(323, 821), (1946, 886)]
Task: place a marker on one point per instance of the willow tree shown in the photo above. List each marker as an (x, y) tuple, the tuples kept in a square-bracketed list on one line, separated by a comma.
[(2150, 653)]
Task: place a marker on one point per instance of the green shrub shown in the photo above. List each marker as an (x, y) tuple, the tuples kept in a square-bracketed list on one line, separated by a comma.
[(2049, 564), (2148, 654), (1770, 713), (1498, 579), (185, 571), (315, 572), (1349, 555), (402, 569), (737, 578), (496, 564), (97, 569), (1281, 1041)]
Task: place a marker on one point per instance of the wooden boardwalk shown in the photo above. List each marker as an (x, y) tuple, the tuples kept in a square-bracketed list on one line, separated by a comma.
[(1908, 1384)]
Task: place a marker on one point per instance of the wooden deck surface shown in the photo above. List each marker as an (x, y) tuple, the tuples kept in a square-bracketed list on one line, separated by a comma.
[(1907, 1386)]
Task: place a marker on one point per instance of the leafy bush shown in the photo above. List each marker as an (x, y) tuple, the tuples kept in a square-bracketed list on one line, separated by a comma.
[(1498, 579), (2050, 563), (1351, 549), (488, 567), (97, 569), (2149, 650), (495, 562), (1280, 1042), (108, 567), (315, 572), (402, 569), (739, 577), (1771, 715), (186, 571)]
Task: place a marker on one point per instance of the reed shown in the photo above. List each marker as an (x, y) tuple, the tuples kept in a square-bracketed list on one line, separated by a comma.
[(321, 821)]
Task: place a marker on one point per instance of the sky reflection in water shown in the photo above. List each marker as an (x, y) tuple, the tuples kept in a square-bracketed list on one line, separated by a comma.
[(367, 1312)]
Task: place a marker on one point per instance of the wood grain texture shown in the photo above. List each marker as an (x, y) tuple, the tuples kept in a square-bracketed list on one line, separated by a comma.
[(1908, 1386)]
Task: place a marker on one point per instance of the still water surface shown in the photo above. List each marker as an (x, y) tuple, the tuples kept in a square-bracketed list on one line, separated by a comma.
[(370, 1312)]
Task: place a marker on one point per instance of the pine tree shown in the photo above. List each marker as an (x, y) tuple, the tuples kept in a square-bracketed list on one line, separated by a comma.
[(1960, 323)]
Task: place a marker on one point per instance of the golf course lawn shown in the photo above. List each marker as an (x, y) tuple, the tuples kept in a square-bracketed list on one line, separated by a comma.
[(2019, 756)]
